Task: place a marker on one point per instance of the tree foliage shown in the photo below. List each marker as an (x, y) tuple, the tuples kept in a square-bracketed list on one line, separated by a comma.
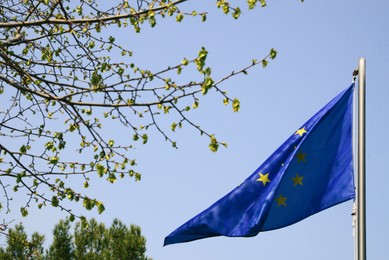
[(62, 246), (20, 247), (90, 241), (65, 84), (116, 242)]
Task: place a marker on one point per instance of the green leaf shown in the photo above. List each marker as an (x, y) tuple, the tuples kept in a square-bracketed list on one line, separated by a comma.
[(53, 160), (251, 3), (145, 138), (173, 126), (213, 145), (226, 8), (100, 207), (166, 109), (208, 83), (185, 62), (207, 71), (235, 105), (73, 127), (100, 170), (111, 178), (95, 79), (24, 212), (88, 203), (91, 44), (70, 194), (273, 54), (54, 201), (203, 17), (84, 222), (153, 21), (237, 12), (195, 104), (179, 17), (201, 58), (23, 149)]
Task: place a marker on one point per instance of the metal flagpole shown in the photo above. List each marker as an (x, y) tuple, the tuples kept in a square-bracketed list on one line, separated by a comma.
[(361, 189)]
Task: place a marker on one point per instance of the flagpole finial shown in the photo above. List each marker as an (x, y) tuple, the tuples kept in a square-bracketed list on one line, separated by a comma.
[(355, 74)]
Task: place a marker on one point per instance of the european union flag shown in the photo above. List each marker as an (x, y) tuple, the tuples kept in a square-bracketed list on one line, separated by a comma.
[(310, 172)]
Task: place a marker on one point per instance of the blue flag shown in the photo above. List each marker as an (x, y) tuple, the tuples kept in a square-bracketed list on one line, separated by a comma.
[(310, 172)]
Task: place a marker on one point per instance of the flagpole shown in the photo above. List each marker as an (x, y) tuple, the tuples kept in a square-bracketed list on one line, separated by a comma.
[(361, 188)]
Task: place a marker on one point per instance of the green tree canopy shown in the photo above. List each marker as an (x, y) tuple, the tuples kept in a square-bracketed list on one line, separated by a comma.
[(90, 240), (20, 247), (116, 242), (62, 246)]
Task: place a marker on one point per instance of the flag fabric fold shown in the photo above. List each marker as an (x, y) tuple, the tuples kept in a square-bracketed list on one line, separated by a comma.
[(311, 171)]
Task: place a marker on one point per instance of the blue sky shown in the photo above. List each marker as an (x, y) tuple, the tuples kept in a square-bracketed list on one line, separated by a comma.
[(319, 44)]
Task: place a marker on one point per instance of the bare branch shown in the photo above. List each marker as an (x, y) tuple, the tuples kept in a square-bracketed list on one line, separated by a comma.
[(66, 82)]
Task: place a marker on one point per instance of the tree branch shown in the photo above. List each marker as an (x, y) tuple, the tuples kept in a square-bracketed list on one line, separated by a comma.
[(85, 20)]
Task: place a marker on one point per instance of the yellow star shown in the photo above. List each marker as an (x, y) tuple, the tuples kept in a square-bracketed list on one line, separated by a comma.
[(301, 131), (301, 156), (281, 201), (298, 180), (264, 178)]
